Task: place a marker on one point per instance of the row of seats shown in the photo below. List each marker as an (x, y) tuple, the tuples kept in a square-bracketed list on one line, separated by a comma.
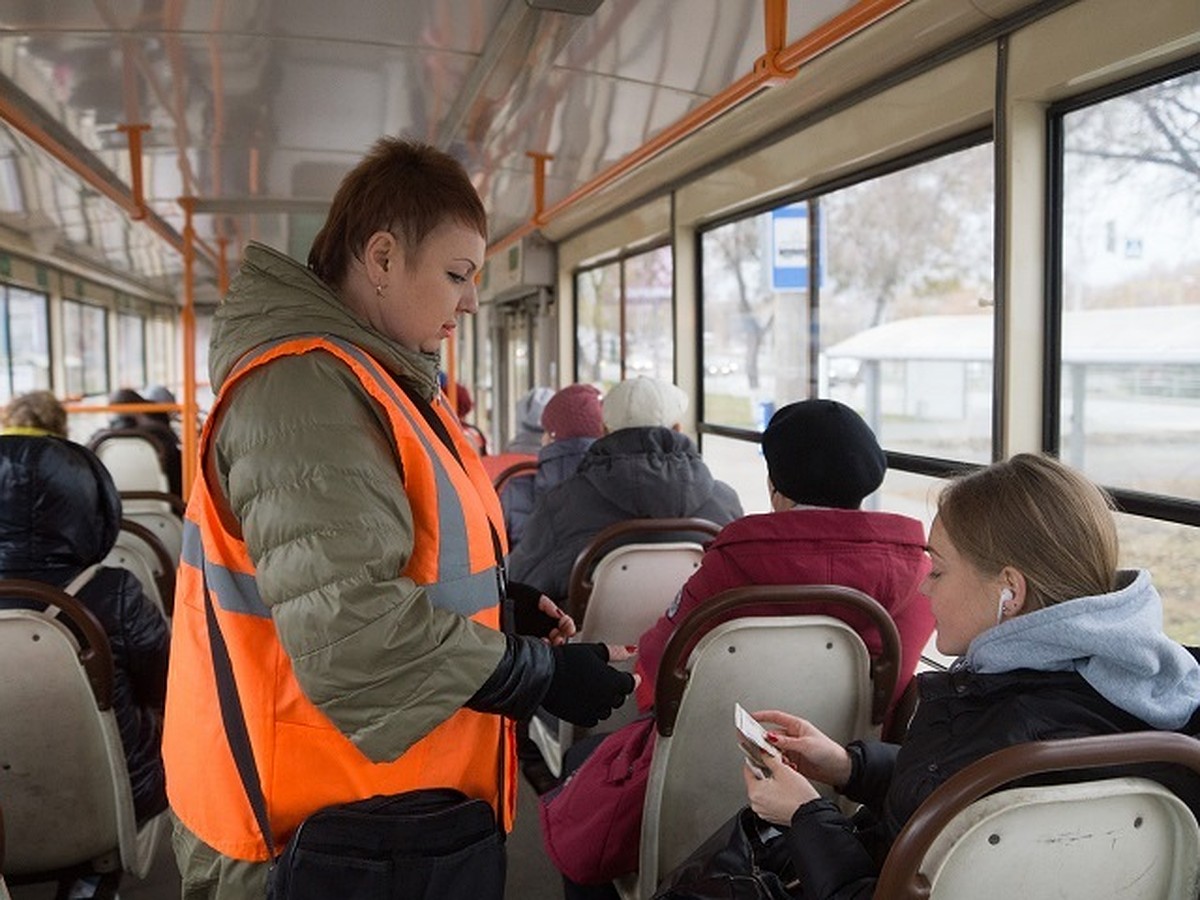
[(64, 784), (970, 839), (63, 781)]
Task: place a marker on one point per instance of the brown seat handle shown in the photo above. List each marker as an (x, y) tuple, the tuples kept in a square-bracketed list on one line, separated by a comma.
[(900, 878), (178, 507), (95, 654), (782, 600), (517, 469), (580, 585), (166, 581)]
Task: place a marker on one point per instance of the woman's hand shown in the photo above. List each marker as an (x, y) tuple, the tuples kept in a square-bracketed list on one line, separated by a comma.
[(777, 795), (565, 625), (807, 748)]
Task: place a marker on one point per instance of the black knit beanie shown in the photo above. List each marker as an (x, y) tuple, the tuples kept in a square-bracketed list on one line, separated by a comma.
[(821, 453)]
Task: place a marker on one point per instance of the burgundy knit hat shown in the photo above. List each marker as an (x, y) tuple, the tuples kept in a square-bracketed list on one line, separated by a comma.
[(574, 412)]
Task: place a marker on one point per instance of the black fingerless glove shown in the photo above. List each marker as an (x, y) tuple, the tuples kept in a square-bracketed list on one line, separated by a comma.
[(527, 619), (585, 688)]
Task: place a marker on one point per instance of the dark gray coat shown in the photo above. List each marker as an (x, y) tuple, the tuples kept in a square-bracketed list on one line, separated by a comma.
[(634, 473)]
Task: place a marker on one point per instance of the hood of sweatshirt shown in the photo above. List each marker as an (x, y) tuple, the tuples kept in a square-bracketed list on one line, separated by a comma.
[(1114, 640)]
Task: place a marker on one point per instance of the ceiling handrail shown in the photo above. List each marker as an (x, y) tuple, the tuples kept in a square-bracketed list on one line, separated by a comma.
[(772, 68)]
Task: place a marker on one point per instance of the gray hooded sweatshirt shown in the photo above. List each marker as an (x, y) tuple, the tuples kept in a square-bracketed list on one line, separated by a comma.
[(1115, 641)]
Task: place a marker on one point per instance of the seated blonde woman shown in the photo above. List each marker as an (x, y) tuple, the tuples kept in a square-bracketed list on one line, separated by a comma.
[(1053, 642)]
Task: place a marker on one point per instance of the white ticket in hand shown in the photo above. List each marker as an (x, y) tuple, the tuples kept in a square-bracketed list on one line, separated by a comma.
[(752, 738)]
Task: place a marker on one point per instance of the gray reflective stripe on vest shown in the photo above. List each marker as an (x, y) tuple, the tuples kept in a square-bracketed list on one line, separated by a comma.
[(233, 591), (457, 589)]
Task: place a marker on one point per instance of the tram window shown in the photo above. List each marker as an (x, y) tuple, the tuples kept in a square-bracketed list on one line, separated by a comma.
[(1170, 552), (1130, 376), (648, 326), (24, 342), (160, 338), (904, 294), (598, 314), (740, 464), (131, 349), (906, 305), (624, 314), (85, 349)]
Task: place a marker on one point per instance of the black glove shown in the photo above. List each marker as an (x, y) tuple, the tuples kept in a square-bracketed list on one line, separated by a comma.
[(527, 619), (585, 689)]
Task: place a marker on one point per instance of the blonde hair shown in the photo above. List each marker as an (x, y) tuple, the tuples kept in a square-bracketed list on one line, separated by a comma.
[(1040, 517), (38, 410)]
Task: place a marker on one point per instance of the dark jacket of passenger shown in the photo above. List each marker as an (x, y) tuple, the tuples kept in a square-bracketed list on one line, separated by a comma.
[(634, 473), (964, 714), (59, 514), (556, 463)]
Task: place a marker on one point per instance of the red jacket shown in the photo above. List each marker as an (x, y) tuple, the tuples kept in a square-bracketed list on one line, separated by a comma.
[(880, 554)]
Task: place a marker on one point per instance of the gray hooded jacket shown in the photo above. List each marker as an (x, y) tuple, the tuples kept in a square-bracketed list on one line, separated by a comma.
[(1115, 641)]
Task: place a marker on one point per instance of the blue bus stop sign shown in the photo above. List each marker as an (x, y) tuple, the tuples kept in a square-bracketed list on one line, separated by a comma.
[(789, 248)]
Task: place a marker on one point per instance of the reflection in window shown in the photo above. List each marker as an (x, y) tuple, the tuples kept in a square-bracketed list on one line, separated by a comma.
[(624, 319), (85, 349), (904, 292), (131, 350), (1130, 404), (24, 342)]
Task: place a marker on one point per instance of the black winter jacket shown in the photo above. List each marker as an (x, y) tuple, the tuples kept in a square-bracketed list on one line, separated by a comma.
[(962, 717), (60, 513)]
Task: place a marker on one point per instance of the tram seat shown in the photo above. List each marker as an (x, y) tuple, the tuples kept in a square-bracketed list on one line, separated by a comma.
[(133, 458), (139, 550), (788, 660), (1125, 837), (65, 788), (621, 583), (162, 513)]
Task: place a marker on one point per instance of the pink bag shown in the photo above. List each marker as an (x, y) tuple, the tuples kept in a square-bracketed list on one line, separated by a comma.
[(592, 825)]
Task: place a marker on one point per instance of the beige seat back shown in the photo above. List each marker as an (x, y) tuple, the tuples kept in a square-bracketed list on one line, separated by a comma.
[(63, 779), (633, 585), (134, 460), (4, 895), (139, 550), (617, 591), (814, 665), (1123, 837), (161, 513)]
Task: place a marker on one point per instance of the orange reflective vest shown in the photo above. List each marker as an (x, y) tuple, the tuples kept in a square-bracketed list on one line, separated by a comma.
[(304, 762)]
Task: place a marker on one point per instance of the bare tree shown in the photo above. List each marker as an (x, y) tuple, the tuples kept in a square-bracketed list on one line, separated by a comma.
[(739, 247), (916, 234), (1158, 125)]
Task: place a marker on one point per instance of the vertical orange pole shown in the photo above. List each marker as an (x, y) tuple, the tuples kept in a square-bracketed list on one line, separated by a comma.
[(134, 133), (191, 443), (539, 181)]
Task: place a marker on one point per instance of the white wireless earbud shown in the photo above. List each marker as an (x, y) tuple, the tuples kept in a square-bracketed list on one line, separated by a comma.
[(1006, 595)]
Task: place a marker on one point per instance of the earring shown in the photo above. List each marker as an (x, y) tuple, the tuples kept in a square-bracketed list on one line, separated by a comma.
[(379, 290)]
